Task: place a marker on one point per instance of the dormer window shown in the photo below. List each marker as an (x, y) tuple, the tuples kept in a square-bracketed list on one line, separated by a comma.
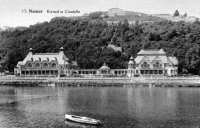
[(37, 65), (45, 65), (145, 65), (29, 65), (53, 65), (157, 65)]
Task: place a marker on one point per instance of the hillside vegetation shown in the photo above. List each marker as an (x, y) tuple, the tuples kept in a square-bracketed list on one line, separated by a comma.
[(86, 41)]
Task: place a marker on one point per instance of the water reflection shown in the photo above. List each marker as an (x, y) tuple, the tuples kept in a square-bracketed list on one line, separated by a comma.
[(78, 125), (115, 106), (153, 103)]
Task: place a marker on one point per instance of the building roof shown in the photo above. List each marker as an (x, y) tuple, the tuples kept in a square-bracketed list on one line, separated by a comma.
[(60, 57), (153, 55), (151, 52), (104, 67), (115, 48), (46, 57), (164, 59), (138, 59), (19, 63)]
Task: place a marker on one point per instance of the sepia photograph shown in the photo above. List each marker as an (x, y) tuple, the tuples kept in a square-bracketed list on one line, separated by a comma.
[(99, 63)]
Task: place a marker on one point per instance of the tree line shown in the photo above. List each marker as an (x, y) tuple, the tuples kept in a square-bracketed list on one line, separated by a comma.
[(86, 40)]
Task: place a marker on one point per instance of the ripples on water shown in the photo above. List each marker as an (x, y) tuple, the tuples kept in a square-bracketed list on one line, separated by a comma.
[(122, 107)]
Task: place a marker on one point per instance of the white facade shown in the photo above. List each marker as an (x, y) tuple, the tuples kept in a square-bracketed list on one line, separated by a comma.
[(45, 64), (155, 63)]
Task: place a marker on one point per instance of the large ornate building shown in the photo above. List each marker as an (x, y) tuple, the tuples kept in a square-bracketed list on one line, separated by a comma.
[(155, 63), (148, 63), (45, 64)]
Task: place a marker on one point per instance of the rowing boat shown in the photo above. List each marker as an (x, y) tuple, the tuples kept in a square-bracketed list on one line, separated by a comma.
[(81, 119)]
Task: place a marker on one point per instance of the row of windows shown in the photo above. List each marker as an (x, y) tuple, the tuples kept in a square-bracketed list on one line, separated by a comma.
[(105, 72), (151, 72), (121, 72), (86, 72), (44, 65), (40, 72), (156, 65), (174, 71)]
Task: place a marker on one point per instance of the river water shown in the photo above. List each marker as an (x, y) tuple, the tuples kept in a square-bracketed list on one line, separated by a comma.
[(123, 107)]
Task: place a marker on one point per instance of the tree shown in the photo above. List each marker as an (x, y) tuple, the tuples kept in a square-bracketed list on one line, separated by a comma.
[(185, 15), (95, 15), (85, 40), (176, 13), (125, 24), (154, 37)]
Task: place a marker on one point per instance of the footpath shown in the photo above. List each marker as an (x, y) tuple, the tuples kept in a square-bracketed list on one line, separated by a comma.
[(101, 81)]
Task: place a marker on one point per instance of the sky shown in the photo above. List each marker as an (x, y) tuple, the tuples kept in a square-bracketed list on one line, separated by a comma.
[(12, 12)]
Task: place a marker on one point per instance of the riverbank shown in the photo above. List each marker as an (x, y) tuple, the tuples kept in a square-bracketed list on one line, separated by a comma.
[(101, 81)]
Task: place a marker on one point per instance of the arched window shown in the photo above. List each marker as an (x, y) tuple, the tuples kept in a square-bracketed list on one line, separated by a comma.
[(45, 65), (145, 65), (157, 64), (53, 65), (29, 65), (37, 65)]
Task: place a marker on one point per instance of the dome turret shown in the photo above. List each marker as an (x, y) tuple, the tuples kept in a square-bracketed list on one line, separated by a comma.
[(104, 67), (131, 63)]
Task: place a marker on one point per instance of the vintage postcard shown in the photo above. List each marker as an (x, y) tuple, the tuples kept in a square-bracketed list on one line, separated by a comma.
[(99, 63)]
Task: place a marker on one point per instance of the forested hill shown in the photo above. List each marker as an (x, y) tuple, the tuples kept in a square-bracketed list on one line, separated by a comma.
[(86, 41)]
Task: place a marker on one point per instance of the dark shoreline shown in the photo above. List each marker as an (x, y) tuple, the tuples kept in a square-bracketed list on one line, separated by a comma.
[(95, 84)]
